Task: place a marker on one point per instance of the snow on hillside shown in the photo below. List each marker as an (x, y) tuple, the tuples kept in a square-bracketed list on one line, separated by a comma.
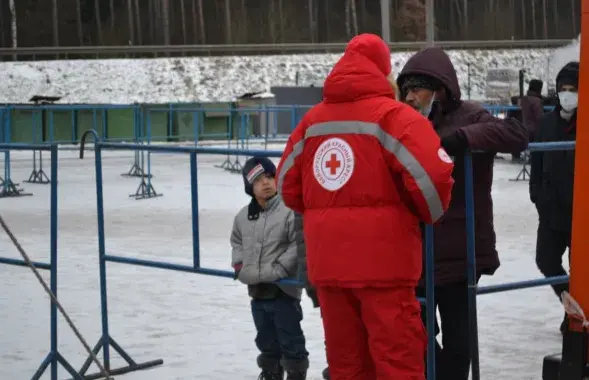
[(205, 79)]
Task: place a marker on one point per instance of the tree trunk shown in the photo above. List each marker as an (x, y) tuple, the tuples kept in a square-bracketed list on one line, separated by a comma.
[(524, 29), (347, 22), (138, 23), (354, 17), (79, 22), (281, 18), (228, 34), (201, 19), (545, 19), (312, 23), (183, 17), (111, 6), (55, 23), (244, 29), (271, 21), (98, 22), (165, 12), (533, 19), (13, 27), (465, 17), (130, 22)]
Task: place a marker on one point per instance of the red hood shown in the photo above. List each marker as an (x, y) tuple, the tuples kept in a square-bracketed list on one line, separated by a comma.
[(361, 72)]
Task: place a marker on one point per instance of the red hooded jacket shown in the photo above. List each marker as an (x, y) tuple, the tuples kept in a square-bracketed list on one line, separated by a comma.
[(365, 170)]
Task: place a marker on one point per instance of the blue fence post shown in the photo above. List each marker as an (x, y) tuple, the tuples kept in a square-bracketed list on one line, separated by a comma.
[(7, 187), (471, 269), (145, 189), (430, 302), (53, 252), (194, 198)]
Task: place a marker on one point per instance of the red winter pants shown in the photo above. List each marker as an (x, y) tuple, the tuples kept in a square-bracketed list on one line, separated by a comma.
[(373, 333)]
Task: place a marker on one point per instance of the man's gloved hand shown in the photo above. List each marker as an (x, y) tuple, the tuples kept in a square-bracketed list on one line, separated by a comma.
[(312, 294), (455, 144), (237, 268)]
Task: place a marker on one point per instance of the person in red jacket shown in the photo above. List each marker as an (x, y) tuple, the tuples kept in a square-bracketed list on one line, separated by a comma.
[(365, 170)]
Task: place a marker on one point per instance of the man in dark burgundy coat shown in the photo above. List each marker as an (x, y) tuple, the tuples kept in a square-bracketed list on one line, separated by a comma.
[(532, 106), (429, 83)]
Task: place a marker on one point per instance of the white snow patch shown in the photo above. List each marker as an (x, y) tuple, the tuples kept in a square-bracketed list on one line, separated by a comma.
[(214, 79)]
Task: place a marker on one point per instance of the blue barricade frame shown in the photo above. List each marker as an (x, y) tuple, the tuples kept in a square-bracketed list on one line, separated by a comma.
[(193, 151), (54, 357)]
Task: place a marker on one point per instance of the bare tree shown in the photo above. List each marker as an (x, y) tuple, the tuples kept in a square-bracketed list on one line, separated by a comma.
[(138, 23), (13, 26), (164, 9), (201, 21), (130, 22), (245, 22), (55, 23), (271, 20), (111, 8), (533, 18), (98, 21), (351, 18), (183, 17), (353, 9), (228, 33), (281, 17), (545, 19), (348, 21), (79, 22), (312, 21)]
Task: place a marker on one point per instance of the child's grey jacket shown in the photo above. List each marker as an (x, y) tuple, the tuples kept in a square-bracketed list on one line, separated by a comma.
[(269, 248)]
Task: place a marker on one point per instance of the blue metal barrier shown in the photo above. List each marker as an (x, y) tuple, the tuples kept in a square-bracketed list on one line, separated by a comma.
[(43, 128), (473, 289), (54, 357)]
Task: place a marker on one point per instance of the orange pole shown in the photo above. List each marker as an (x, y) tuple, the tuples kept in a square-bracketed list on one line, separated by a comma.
[(579, 279)]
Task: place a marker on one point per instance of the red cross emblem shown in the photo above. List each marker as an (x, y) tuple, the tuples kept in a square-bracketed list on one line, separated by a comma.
[(333, 164)]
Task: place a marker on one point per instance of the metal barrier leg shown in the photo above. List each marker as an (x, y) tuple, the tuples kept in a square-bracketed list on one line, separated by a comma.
[(38, 176), (106, 341), (524, 173), (145, 190), (9, 189), (471, 259), (430, 302)]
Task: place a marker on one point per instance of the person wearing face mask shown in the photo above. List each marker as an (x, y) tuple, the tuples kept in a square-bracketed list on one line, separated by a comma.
[(428, 83), (551, 180)]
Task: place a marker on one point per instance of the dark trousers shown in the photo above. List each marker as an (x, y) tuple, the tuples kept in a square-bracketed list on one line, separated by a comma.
[(280, 337), (551, 245), (453, 355)]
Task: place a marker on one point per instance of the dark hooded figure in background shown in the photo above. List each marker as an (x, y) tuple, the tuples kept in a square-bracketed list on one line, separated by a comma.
[(428, 83), (532, 105), (551, 179)]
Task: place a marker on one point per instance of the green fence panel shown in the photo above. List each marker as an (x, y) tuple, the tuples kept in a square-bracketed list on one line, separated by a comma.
[(21, 128), (185, 122), (121, 124), (90, 119), (62, 126), (158, 120)]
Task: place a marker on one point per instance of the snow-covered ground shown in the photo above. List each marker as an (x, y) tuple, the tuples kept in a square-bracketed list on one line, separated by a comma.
[(201, 326), (206, 79)]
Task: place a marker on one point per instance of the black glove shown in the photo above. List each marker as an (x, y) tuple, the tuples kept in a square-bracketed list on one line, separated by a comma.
[(312, 294), (455, 144)]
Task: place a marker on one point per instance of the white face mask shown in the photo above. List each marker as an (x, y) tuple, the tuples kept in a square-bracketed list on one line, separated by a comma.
[(427, 110), (568, 100)]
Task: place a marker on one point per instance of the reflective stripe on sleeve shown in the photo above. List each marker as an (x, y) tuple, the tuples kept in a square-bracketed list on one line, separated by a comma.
[(391, 144)]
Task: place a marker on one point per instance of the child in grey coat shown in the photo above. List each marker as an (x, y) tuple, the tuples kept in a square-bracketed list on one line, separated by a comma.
[(267, 244)]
